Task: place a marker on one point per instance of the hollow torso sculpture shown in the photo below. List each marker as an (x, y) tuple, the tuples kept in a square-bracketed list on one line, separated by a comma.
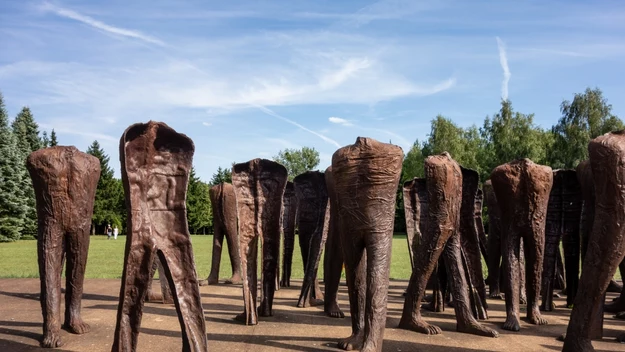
[(155, 166), (333, 257), (288, 233), (224, 204), (441, 236), (65, 181), (563, 218), (522, 189), (366, 175), (312, 223), (606, 244), (259, 186)]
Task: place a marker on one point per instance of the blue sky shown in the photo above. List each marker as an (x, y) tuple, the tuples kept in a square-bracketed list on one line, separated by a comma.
[(245, 79)]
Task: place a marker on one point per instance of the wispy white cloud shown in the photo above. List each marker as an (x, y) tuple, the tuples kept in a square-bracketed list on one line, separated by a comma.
[(272, 113), (67, 13), (207, 124), (503, 60), (340, 121)]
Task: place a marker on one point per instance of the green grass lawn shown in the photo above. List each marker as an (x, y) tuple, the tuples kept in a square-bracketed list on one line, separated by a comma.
[(106, 258)]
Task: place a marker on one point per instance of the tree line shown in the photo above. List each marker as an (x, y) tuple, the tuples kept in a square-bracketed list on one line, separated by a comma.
[(504, 136)]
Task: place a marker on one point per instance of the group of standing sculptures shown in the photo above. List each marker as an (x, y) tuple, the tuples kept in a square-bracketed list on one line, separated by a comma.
[(349, 211)]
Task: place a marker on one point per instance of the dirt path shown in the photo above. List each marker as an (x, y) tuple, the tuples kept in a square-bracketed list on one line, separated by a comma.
[(291, 329)]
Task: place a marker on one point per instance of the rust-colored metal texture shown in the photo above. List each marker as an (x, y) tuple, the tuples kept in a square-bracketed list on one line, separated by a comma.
[(563, 218), (312, 222), (155, 165), (479, 224), (288, 233), (224, 204), (470, 243), (366, 176), (333, 255), (65, 181), (522, 189), (441, 236), (606, 244), (166, 296), (495, 273), (259, 185)]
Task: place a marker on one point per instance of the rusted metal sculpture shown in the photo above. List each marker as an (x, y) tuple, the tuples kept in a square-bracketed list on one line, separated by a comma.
[(65, 181), (441, 236), (288, 233), (470, 242), (479, 224), (166, 296), (606, 245), (494, 241), (259, 186), (224, 204), (313, 216), (563, 218), (522, 189), (155, 166), (333, 257), (366, 175)]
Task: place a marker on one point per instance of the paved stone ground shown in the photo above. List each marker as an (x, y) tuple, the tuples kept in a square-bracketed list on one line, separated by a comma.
[(290, 329)]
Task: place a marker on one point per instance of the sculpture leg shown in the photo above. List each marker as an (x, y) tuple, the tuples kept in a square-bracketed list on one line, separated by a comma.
[(378, 271), (165, 290), (218, 239), (466, 322), (50, 252), (356, 275), (271, 253), (332, 267), (534, 250), (133, 291), (235, 260), (618, 305), (310, 276), (151, 296), (511, 256), (77, 248), (494, 262), (287, 258), (179, 268), (249, 255), (522, 275), (426, 257)]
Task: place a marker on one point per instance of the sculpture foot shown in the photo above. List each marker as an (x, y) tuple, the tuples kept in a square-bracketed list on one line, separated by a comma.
[(556, 295), (496, 295), (476, 328), (212, 280), (353, 342), (551, 308), (243, 319), (169, 300), (420, 326), (77, 326), (154, 298), (577, 345), (234, 280), (536, 318), (51, 340), (202, 282), (285, 283), (432, 307), (620, 315), (265, 311), (620, 338), (314, 302), (333, 311), (614, 287), (523, 299), (615, 307), (561, 338), (511, 324)]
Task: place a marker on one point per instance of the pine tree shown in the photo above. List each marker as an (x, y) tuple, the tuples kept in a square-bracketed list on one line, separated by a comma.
[(221, 176), (107, 206), (45, 141), (199, 213), (26, 132), (12, 201), (53, 141)]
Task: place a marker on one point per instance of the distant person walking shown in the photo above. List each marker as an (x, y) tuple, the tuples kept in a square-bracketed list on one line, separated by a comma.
[(115, 232), (109, 231)]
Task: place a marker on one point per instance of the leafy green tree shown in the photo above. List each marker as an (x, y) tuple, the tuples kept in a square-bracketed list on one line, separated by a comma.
[(298, 161), (221, 176), (53, 141), (511, 135), (45, 141), (12, 199), (107, 208), (199, 213), (588, 116), (26, 132), (413, 162)]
